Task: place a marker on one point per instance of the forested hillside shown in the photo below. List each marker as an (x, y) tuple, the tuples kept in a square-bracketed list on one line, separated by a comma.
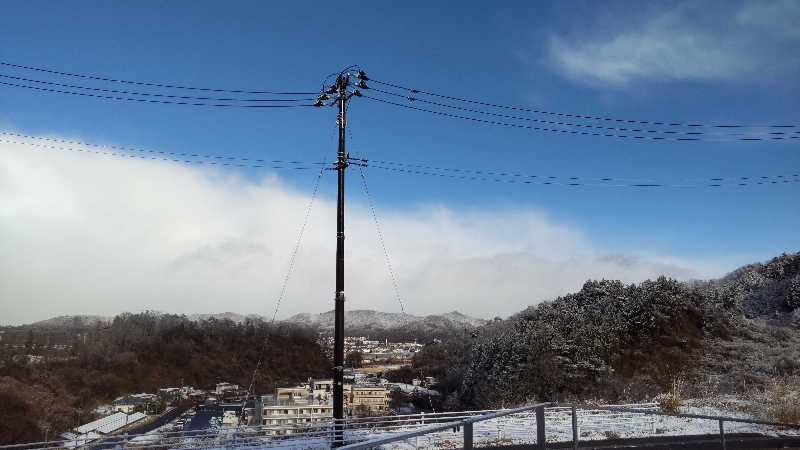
[(141, 353), (622, 342), (396, 327)]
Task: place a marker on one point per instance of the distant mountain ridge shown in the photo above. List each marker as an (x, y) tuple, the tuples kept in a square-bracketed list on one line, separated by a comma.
[(357, 322), (377, 319), (78, 321), (232, 316), (392, 326)]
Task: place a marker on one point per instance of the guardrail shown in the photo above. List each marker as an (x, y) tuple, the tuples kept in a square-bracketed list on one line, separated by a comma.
[(367, 432), (541, 441)]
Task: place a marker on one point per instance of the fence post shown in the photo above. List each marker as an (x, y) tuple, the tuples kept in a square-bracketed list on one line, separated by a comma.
[(468, 436), (540, 437), (722, 434), (574, 427)]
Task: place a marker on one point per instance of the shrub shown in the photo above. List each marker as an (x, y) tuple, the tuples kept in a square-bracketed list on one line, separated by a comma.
[(672, 401), (610, 435), (781, 401), (669, 402)]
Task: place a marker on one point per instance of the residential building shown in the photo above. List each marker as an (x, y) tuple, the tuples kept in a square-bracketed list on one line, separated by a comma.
[(224, 387), (134, 402), (169, 395), (323, 388), (369, 399), (291, 393), (295, 412)]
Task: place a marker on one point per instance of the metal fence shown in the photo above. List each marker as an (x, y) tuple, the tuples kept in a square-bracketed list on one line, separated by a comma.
[(468, 424), (532, 424)]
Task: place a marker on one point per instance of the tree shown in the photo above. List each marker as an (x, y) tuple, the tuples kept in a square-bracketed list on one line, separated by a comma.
[(403, 374), (354, 360), (793, 293)]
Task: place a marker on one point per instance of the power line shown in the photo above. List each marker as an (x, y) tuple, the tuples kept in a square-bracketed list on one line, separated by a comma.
[(562, 131), (581, 116), (604, 182), (568, 179), (145, 100), (382, 241), (224, 158), (143, 83), (497, 172), (486, 175), (171, 158), (701, 134), (148, 94), (379, 231), (289, 271)]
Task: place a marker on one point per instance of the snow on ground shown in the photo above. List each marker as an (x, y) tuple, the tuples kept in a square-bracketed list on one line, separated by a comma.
[(592, 425), (410, 389), (516, 429)]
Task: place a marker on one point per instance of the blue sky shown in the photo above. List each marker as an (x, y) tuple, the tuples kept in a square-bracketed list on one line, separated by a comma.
[(715, 62)]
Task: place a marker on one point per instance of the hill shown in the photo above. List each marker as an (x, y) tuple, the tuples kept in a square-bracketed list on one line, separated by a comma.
[(232, 316), (769, 291), (392, 326), (76, 321), (359, 318), (623, 342), (141, 353), (376, 324)]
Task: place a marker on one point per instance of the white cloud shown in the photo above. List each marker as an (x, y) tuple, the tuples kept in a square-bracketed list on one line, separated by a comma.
[(692, 41), (82, 233)]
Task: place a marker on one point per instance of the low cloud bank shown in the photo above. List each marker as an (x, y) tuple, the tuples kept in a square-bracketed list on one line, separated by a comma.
[(84, 233)]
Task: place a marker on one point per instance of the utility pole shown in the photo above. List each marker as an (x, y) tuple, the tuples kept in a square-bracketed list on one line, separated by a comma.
[(342, 162), (338, 339)]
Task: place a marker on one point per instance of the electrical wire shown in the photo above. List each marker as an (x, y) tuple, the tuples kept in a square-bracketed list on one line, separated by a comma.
[(498, 173), (494, 175), (571, 179), (148, 94), (251, 162), (581, 116), (144, 100), (702, 134), (382, 241), (556, 130), (486, 175), (614, 183), (164, 157), (142, 83), (289, 271)]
